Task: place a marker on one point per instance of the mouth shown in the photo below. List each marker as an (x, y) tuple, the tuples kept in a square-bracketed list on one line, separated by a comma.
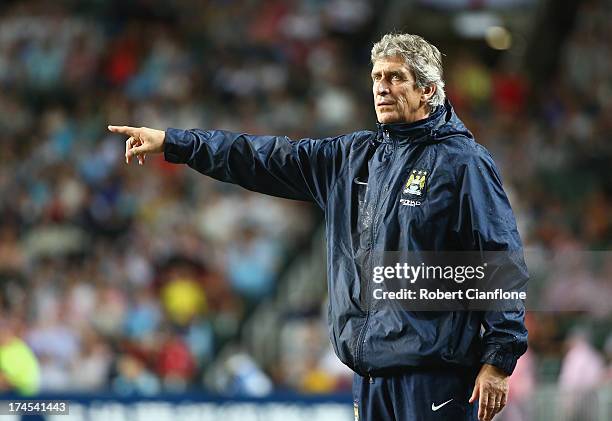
[(383, 104)]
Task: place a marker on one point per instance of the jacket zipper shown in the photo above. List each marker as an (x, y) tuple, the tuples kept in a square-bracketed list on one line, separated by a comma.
[(360, 338)]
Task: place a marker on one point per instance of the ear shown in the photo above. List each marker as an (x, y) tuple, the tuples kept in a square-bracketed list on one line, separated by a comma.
[(428, 92)]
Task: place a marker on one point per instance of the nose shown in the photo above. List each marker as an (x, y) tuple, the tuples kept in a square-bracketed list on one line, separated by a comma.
[(382, 88)]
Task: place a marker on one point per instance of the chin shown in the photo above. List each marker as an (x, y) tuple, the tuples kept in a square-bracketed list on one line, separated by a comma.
[(388, 119)]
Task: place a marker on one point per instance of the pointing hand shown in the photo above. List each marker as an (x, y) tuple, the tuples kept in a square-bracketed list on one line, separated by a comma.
[(140, 141)]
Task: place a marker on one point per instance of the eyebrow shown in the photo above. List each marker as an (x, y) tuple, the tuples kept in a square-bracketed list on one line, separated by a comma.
[(391, 73)]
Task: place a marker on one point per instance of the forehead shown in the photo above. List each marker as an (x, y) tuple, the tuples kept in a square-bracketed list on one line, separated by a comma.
[(390, 64)]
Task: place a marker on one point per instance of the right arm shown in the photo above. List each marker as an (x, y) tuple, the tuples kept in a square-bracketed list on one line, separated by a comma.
[(274, 165)]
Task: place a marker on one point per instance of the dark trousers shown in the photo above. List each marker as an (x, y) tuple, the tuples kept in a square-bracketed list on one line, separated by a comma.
[(416, 395)]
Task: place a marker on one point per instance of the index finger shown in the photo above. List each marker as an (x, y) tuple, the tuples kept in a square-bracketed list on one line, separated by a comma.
[(126, 130)]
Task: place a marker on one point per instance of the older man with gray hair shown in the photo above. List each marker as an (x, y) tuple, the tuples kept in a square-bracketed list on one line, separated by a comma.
[(419, 182)]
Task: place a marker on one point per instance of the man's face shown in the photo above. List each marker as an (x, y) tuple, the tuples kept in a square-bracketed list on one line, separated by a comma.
[(396, 98)]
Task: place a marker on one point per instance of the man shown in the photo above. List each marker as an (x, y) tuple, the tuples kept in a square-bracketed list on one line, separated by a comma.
[(408, 365)]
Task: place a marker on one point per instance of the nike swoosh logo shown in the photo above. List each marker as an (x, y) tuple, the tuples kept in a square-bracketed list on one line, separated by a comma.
[(435, 407)]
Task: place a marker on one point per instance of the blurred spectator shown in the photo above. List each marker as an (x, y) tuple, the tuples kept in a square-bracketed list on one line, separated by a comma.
[(133, 378), (91, 369), (57, 346), (175, 364), (143, 316), (251, 263), (19, 371), (245, 377), (582, 370), (183, 299), (608, 355), (582, 367)]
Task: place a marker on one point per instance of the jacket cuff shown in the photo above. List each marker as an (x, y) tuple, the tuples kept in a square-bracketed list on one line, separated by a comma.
[(500, 358), (178, 146)]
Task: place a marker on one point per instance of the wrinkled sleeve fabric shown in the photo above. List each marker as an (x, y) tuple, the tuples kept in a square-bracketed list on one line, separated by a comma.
[(275, 165), (485, 223)]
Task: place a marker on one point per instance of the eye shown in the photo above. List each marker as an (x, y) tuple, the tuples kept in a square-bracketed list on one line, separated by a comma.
[(376, 77), (396, 78)]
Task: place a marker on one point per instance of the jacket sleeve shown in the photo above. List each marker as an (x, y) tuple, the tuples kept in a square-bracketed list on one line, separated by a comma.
[(274, 165), (485, 223)]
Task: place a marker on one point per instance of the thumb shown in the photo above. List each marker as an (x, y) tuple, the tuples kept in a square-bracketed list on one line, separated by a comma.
[(475, 392)]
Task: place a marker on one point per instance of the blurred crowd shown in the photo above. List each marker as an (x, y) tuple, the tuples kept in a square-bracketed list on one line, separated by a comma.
[(133, 279)]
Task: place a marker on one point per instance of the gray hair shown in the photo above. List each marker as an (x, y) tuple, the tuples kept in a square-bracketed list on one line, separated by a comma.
[(423, 59)]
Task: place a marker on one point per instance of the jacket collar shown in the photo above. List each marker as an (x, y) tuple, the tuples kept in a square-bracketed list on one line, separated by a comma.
[(408, 132)]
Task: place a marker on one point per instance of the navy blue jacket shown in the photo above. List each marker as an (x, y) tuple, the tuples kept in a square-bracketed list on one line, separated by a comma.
[(462, 206)]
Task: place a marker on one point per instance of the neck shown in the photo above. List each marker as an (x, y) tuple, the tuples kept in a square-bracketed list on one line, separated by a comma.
[(422, 113), (419, 115)]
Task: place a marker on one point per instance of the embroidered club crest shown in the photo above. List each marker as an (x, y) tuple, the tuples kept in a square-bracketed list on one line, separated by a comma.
[(415, 186)]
